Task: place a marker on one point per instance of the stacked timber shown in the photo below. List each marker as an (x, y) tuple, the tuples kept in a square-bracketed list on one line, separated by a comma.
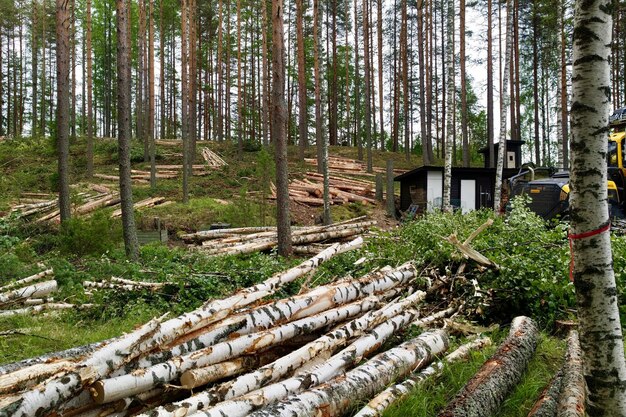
[(310, 190), (30, 295), (239, 355), (341, 165), (147, 203), (254, 239), (212, 159)]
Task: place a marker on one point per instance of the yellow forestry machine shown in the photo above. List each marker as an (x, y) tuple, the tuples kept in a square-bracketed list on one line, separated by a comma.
[(549, 189)]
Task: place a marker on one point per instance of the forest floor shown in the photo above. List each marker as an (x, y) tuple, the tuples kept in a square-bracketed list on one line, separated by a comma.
[(532, 279)]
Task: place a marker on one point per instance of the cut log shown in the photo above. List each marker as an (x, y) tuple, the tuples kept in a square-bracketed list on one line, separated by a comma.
[(241, 406), (485, 392), (32, 291), (148, 202), (155, 285), (288, 363), (382, 401), (28, 377), (573, 389), (337, 395), (27, 280), (113, 389), (546, 404), (212, 234), (41, 308)]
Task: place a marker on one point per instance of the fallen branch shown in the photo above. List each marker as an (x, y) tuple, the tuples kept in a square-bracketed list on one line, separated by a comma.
[(27, 280)]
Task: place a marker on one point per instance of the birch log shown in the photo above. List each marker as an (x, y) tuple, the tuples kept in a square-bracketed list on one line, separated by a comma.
[(337, 395), (485, 392), (546, 404), (318, 300), (48, 396), (288, 363), (573, 388), (113, 389), (382, 401), (27, 377), (328, 369), (32, 291), (41, 307), (27, 280)]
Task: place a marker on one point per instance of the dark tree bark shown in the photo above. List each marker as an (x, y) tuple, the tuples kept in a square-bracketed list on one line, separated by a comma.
[(279, 135), (490, 84), (63, 23), (464, 132), (89, 94), (151, 109), (302, 105), (124, 130), (368, 111)]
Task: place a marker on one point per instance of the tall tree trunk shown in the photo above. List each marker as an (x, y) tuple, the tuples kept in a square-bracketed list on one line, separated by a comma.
[(124, 130), (279, 135), (184, 89), (490, 84), (139, 97), (504, 102), (405, 80), (73, 70), (34, 69), (239, 87), (464, 132), (192, 107), (563, 98), (220, 74), (447, 176), (319, 133), (266, 79), (332, 110), (536, 80), (151, 97), (63, 23), (379, 22), (161, 72), (427, 150), (601, 335), (302, 105), (89, 94), (368, 112), (357, 82)]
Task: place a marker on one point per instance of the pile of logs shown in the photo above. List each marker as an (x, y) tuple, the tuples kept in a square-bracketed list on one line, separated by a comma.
[(240, 355), (212, 159), (47, 210), (341, 165), (30, 295), (310, 190), (254, 239)]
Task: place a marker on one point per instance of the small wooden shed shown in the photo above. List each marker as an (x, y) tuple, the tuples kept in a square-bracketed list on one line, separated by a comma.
[(471, 188)]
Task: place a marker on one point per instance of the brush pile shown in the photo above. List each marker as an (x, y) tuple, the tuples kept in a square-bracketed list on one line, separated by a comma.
[(310, 190), (241, 354), (212, 159), (255, 239), (30, 295)]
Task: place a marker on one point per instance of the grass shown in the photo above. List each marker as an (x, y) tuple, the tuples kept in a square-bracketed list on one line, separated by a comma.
[(430, 398)]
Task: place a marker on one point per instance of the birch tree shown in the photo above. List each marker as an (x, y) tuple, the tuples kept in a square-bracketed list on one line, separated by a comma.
[(594, 279), (504, 101), (447, 176)]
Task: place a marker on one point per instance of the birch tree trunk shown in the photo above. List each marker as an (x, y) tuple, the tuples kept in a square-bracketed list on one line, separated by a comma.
[(335, 396), (447, 175), (504, 102), (601, 336)]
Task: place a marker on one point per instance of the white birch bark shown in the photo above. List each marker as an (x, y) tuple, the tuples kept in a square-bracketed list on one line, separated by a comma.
[(394, 393), (318, 300), (504, 105), (27, 280), (451, 90), (328, 369), (41, 307), (288, 363), (112, 389), (600, 330), (32, 291), (52, 394), (338, 394), (27, 377)]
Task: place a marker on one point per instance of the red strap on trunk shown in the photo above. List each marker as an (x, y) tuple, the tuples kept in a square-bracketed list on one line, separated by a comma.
[(574, 236)]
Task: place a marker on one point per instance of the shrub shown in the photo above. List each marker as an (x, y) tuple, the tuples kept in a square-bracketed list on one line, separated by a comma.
[(94, 235)]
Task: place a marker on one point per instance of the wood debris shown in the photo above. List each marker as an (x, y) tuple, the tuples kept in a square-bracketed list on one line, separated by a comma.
[(341, 165), (212, 159), (248, 240)]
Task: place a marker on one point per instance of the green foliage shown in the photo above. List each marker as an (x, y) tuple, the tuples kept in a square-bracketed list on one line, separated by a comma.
[(93, 235), (265, 172)]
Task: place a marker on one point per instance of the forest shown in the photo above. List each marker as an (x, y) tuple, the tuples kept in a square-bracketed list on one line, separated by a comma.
[(280, 208)]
